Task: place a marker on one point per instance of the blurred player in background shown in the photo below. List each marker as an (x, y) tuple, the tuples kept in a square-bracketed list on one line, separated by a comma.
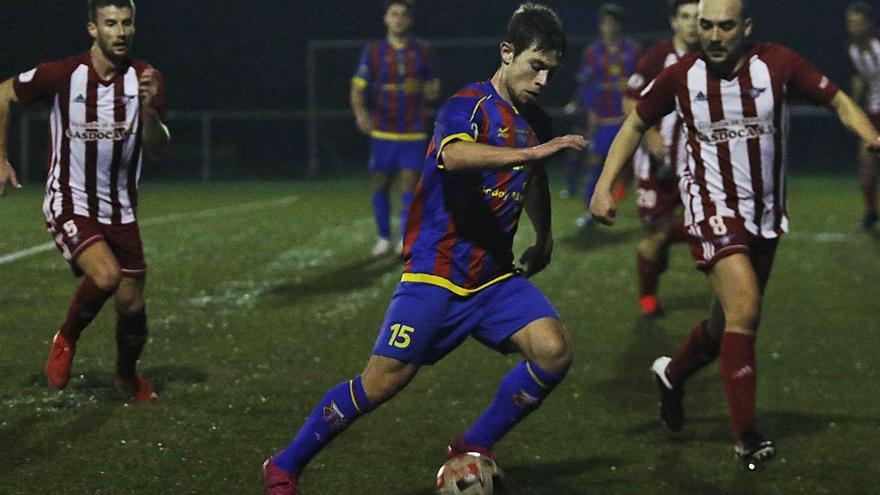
[(658, 162), (398, 74), (106, 110), (733, 99), (606, 67), (864, 53), (484, 166)]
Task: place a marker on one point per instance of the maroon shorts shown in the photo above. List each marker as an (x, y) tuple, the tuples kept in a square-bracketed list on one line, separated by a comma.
[(718, 237), (73, 234), (657, 199)]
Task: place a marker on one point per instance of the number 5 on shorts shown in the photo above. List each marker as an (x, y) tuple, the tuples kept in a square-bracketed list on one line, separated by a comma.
[(400, 338)]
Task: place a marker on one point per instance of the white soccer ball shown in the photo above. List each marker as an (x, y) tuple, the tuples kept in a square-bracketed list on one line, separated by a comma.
[(470, 474)]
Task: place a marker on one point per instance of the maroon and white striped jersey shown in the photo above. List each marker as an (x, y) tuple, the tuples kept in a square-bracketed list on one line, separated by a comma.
[(659, 57), (866, 61), (736, 132), (95, 153)]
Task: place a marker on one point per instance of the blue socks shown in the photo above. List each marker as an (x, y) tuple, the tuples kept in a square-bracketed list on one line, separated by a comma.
[(382, 213), (520, 393), (342, 405), (405, 200)]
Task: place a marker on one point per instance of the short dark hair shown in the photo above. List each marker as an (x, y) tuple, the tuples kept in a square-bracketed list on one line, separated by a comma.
[(614, 11), (94, 5), (409, 4), (536, 24), (675, 4), (862, 7)]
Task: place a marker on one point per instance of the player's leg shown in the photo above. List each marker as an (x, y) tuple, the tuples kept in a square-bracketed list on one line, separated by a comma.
[(131, 337), (383, 168), (592, 170), (652, 259), (868, 184), (101, 278), (409, 178), (532, 328)]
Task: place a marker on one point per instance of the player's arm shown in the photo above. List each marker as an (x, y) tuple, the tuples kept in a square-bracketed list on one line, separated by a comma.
[(468, 155), (156, 138), (622, 149), (653, 139), (7, 173), (537, 206), (359, 105), (854, 119)]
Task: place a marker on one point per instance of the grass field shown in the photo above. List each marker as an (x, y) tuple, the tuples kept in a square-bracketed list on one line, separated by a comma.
[(262, 296)]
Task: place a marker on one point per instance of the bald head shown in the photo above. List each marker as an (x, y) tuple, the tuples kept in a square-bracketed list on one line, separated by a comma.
[(738, 9), (723, 28)]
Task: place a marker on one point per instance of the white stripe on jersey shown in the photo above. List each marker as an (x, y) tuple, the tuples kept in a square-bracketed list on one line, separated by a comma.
[(79, 86), (867, 63), (52, 202), (104, 157), (765, 105), (131, 118)]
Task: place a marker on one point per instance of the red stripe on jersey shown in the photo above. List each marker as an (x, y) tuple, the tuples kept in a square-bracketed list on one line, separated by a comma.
[(64, 162), (118, 116), (469, 93), (725, 165), (414, 217), (750, 110), (696, 152), (393, 78), (134, 168), (443, 259), (412, 99), (91, 159), (377, 88), (475, 267)]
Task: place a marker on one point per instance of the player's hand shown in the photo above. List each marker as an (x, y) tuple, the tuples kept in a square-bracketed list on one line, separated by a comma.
[(537, 257), (7, 176), (557, 144), (874, 147), (364, 124), (602, 207), (148, 87)]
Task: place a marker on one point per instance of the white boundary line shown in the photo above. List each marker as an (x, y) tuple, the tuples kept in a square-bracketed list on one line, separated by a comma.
[(49, 246)]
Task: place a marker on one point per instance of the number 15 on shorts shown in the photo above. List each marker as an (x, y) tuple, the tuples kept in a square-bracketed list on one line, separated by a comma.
[(400, 336)]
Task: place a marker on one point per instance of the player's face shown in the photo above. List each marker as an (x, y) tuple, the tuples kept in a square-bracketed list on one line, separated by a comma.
[(858, 25), (609, 28), (113, 31), (684, 24), (528, 72), (398, 20), (722, 31)]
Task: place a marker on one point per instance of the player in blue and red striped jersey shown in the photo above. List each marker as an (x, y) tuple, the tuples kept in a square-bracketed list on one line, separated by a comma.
[(483, 167), (606, 67), (400, 79)]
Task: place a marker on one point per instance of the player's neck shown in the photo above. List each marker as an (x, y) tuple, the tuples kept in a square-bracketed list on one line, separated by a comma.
[(500, 86), (729, 70), (105, 67), (681, 46), (397, 41), (613, 41)]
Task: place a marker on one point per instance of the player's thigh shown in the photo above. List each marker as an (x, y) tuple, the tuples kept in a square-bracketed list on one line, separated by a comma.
[(385, 376), (383, 161), (737, 288), (409, 178), (380, 181), (129, 297), (99, 263), (546, 342), (125, 242)]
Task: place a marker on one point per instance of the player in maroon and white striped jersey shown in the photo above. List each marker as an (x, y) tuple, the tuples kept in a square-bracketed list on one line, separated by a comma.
[(657, 163), (106, 110), (864, 54), (733, 99)]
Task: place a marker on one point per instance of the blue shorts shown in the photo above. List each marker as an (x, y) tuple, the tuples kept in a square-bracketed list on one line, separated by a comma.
[(426, 322), (603, 138), (388, 157)]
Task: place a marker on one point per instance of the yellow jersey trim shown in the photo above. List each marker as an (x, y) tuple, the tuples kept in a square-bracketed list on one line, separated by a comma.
[(399, 136), (424, 278), (353, 398), (534, 376), (359, 82)]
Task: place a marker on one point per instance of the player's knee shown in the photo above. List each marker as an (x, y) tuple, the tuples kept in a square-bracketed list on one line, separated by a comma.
[(554, 354), (130, 305), (744, 313), (383, 380), (108, 279)]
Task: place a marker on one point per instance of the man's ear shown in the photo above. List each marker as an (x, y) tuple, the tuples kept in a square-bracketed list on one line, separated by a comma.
[(506, 52)]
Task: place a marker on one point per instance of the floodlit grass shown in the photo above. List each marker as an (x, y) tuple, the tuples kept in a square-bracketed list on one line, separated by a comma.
[(262, 296)]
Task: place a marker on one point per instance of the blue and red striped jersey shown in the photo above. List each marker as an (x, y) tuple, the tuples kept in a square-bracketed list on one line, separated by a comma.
[(604, 73), (396, 80), (461, 224)]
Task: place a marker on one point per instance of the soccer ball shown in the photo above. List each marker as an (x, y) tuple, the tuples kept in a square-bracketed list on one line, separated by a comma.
[(470, 474)]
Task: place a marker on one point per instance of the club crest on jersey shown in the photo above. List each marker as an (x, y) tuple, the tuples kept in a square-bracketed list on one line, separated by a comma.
[(753, 93), (333, 416)]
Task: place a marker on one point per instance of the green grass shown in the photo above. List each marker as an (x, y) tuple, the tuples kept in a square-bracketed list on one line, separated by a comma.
[(267, 298)]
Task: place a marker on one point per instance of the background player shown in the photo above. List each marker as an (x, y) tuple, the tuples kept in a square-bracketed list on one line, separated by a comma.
[(607, 65), (399, 76), (732, 97), (106, 109), (484, 165), (657, 163), (864, 53)]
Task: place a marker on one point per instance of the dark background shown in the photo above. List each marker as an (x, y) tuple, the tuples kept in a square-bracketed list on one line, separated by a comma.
[(233, 55)]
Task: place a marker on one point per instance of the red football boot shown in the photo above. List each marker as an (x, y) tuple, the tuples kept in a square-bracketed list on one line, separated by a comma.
[(277, 481), (60, 361), (139, 389)]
